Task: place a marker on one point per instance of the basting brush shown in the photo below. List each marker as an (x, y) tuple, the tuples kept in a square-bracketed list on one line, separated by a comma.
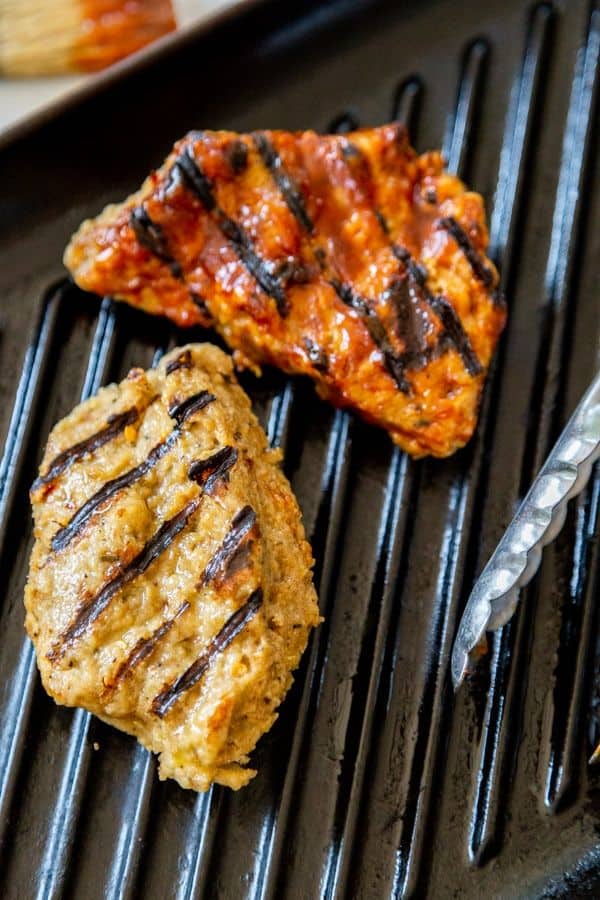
[(42, 37)]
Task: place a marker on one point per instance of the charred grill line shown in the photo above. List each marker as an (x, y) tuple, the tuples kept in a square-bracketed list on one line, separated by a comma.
[(183, 361), (321, 258), (151, 236), (114, 426), (200, 302), (384, 225), (295, 203), (163, 702), (79, 519), (142, 650), (399, 294), (195, 179), (253, 262), (481, 271), (453, 328), (289, 189), (409, 327), (95, 605), (393, 361), (229, 551), (453, 333), (382, 222), (237, 156), (208, 472), (200, 185), (292, 271), (457, 334), (412, 267), (182, 411)]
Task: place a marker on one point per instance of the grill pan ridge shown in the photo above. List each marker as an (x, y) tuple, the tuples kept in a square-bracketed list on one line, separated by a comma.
[(376, 781)]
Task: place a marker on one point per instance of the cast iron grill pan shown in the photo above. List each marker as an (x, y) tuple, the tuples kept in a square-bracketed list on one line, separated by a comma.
[(376, 781)]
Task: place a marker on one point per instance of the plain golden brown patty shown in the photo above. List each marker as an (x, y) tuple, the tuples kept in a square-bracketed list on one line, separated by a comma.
[(170, 589)]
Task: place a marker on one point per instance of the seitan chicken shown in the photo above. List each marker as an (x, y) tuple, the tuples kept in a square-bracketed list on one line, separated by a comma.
[(170, 588), (348, 258)]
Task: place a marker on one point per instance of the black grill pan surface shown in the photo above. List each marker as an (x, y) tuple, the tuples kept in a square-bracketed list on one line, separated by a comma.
[(376, 781)]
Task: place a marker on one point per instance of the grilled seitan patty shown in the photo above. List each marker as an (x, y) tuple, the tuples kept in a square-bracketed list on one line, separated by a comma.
[(170, 588), (347, 258)]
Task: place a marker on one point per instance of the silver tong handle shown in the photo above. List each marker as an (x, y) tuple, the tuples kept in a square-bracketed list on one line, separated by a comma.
[(540, 517)]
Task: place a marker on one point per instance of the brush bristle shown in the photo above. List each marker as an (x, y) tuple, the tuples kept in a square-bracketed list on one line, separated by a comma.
[(42, 38)]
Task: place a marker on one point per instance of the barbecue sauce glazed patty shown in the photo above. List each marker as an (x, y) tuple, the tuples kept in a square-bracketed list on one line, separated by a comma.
[(348, 258), (170, 589)]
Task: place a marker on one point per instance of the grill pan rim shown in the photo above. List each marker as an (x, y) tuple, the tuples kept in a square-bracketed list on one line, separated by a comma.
[(583, 873)]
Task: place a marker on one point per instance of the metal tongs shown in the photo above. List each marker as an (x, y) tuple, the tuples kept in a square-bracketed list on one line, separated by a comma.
[(539, 519)]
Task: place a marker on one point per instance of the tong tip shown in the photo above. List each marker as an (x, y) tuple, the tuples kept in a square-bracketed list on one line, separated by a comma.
[(460, 665)]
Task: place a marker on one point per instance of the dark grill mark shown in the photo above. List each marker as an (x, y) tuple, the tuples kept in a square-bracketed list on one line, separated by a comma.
[(403, 293), (358, 166), (292, 271), (114, 426), (413, 320), (457, 334), (412, 304), (226, 558), (417, 272), (237, 157), (321, 258), (407, 294), (382, 222), (257, 267), (79, 520), (142, 650), (95, 605), (183, 410), (163, 702), (183, 361), (196, 181), (453, 329), (316, 355), (208, 472), (151, 236), (483, 272), (289, 189), (393, 361), (201, 304)]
